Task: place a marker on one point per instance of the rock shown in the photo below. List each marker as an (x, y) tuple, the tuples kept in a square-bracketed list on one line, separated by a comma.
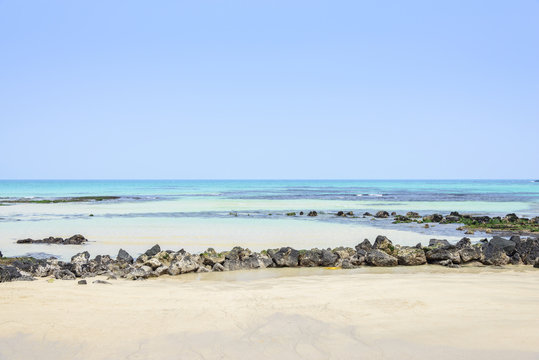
[(285, 257), (184, 263), (510, 218), (443, 253), (112, 277), (1, 256), (527, 249), (203, 269), (515, 259), (153, 262), (498, 251), (312, 213), (438, 243), (64, 274), (73, 240), (433, 218), (412, 214), (210, 257), (79, 263), (382, 214), (123, 256), (316, 257), (534, 220), (470, 253), (384, 244), (393, 213), (401, 218), (367, 214), (377, 257), (411, 256), (9, 273), (153, 251), (344, 252), (218, 267), (82, 282), (358, 258), (464, 242), (103, 282), (452, 219), (536, 264), (469, 232), (364, 245), (508, 246), (139, 273)]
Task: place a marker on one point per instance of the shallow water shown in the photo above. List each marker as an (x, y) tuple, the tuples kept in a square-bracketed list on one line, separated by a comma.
[(198, 214)]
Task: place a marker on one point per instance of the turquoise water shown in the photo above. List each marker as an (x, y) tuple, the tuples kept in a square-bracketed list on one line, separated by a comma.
[(378, 192), (220, 214)]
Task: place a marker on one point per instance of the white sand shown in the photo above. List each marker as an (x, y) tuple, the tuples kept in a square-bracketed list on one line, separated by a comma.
[(406, 313)]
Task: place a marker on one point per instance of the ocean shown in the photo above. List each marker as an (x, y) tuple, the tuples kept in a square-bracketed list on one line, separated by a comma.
[(196, 214)]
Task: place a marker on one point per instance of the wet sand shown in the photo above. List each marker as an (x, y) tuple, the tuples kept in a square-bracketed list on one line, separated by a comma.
[(426, 312)]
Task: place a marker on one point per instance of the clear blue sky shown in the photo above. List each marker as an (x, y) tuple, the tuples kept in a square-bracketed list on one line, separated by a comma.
[(269, 89)]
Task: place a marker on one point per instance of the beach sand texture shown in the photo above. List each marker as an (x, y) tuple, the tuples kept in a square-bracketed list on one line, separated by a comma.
[(404, 313)]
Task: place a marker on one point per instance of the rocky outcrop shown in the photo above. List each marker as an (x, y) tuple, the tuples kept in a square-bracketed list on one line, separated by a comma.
[(285, 257), (74, 240), (377, 257), (382, 214), (156, 262), (411, 256), (316, 257)]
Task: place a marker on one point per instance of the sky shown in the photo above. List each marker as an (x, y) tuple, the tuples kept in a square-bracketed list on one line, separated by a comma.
[(269, 89)]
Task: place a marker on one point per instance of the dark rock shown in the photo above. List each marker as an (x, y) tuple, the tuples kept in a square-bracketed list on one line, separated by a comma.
[(1, 256), (452, 219), (184, 263), (536, 264), (316, 257), (411, 256), (123, 256), (454, 213), (312, 213), (9, 273), (377, 257), (510, 218), (433, 218), (82, 282), (382, 214), (218, 267), (527, 249), (515, 259), (301, 213), (285, 257), (384, 244), (74, 240), (393, 213), (508, 246), (153, 251), (470, 253), (364, 245), (438, 254), (438, 243), (367, 214), (464, 242), (412, 214), (64, 274), (402, 218), (210, 257)]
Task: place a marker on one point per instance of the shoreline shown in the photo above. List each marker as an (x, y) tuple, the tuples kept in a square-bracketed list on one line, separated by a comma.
[(290, 313)]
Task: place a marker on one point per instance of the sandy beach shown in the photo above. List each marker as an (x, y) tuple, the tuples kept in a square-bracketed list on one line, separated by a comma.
[(369, 313)]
